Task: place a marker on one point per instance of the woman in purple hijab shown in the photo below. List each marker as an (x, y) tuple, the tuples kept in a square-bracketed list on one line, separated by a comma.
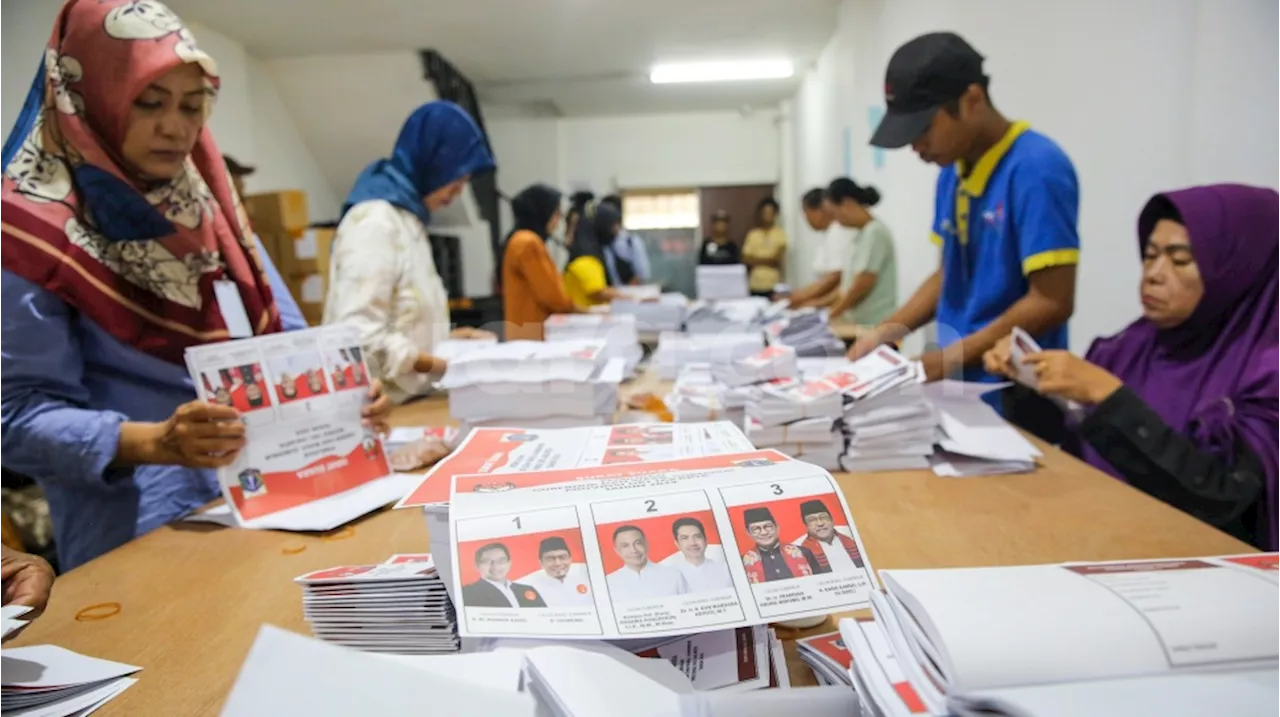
[(1182, 404)]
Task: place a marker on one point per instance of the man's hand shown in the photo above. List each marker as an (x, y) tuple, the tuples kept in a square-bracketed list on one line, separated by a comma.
[(28, 580), (874, 338), (999, 360), (1062, 373), (197, 435), (376, 413)]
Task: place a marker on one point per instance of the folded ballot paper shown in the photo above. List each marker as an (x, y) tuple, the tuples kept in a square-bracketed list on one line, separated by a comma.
[(399, 606), (308, 463), (973, 440), (526, 362), (526, 400), (828, 657), (714, 542), (1186, 636), (769, 363), (49, 681), (1022, 346), (720, 349), (289, 674), (12, 618)]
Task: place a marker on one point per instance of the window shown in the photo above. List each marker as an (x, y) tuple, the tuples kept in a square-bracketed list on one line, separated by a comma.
[(667, 209)]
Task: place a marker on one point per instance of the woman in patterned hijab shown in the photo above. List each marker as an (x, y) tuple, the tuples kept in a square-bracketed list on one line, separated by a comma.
[(119, 220)]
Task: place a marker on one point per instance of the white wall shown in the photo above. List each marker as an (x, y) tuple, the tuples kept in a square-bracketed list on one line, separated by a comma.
[(605, 154), (249, 121), (23, 36), (1162, 94)]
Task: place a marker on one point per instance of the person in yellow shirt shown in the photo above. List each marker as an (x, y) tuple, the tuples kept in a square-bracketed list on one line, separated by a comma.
[(765, 249), (585, 277)]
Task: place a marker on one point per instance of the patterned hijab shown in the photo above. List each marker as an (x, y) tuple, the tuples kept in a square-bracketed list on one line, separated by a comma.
[(141, 263)]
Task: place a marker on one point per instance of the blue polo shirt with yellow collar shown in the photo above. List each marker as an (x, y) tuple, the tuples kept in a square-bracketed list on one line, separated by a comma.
[(1013, 215)]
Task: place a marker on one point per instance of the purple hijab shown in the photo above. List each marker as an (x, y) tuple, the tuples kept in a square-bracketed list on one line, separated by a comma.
[(1213, 378)]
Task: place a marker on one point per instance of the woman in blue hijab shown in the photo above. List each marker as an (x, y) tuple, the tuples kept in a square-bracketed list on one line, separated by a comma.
[(382, 278)]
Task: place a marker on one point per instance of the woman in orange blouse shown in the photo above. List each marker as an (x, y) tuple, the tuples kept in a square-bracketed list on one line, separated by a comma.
[(532, 288)]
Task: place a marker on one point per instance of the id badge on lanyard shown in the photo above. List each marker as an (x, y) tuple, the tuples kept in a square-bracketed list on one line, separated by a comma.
[(231, 305)]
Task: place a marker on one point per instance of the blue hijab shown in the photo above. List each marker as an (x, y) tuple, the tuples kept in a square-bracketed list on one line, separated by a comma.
[(437, 144)]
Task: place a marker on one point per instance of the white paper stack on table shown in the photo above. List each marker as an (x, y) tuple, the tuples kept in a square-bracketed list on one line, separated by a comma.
[(800, 419), (721, 282), (619, 332), (666, 313), (1189, 636), (767, 364), (496, 459), (451, 349), (308, 462), (727, 316), (889, 423), (535, 384), (400, 606), (675, 350), (974, 440), (50, 681), (806, 330), (828, 657), (697, 396)]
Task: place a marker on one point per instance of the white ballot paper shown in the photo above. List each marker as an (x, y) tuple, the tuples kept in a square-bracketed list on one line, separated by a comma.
[(513, 450), (308, 463), (722, 542)]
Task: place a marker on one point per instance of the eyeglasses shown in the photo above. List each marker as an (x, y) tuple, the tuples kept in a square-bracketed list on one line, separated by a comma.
[(762, 528)]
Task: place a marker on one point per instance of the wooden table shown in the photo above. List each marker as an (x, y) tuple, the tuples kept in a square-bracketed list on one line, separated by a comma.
[(847, 331), (192, 597)]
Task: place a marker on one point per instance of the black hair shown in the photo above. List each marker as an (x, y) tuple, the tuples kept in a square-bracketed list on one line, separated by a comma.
[(767, 202), (813, 198), (492, 546), (624, 528), (844, 188), (952, 107), (613, 199), (676, 526)]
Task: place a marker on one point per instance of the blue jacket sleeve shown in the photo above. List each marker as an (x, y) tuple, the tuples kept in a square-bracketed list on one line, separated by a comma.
[(47, 431), (290, 315)]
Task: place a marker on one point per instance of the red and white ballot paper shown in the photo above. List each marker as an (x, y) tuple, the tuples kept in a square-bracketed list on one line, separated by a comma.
[(513, 450), (308, 463), (626, 551)]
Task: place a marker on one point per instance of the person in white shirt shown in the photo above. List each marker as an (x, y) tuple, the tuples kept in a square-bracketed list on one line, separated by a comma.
[(834, 551), (382, 277), (699, 571), (638, 578), (493, 562), (829, 256), (560, 582)]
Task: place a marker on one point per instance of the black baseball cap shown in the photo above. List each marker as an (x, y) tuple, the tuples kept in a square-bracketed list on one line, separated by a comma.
[(923, 75)]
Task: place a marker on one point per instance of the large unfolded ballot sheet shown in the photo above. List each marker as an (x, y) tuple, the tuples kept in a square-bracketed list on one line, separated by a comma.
[(508, 451), (308, 463), (722, 542)]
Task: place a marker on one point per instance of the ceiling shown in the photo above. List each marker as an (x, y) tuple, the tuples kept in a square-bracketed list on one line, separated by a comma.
[(569, 57)]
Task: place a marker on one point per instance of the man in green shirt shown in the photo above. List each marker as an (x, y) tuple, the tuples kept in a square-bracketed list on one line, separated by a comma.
[(873, 292)]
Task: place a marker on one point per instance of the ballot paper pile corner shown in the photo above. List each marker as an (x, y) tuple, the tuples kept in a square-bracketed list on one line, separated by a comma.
[(653, 310), (536, 384), (1070, 639), (49, 681), (676, 350), (619, 332), (399, 606)]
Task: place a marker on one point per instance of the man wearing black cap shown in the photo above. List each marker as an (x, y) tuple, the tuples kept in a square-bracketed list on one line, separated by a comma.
[(561, 582), (1005, 211), (834, 551), (772, 559)]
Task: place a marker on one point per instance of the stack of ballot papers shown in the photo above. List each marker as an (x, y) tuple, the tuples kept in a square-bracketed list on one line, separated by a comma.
[(828, 657), (640, 292), (619, 332), (1189, 636), (767, 364), (697, 396), (815, 440), (50, 681), (721, 282), (666, 313), (400, 606), (894, 426), (451, 349), (675, 350), (494, 459), (726, 316), (808, 331), (535, 384), (972, 439)]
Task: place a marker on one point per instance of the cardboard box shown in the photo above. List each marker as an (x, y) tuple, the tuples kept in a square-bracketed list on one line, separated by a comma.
[(299, 253), (277, 212), (309, 290)]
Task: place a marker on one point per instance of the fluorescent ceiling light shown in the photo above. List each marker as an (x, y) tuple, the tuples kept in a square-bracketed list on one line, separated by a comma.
[(721, 71)]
